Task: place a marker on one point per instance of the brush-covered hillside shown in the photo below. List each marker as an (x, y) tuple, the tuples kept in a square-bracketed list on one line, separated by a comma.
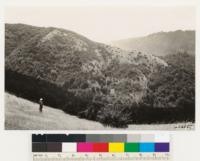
[(161, 43), (77, 64), (80, 76)]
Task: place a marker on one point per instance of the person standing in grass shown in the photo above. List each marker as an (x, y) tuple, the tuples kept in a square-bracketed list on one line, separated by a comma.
[(41, 104)]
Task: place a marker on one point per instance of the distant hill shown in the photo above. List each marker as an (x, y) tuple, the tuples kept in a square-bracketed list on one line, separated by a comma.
[(161, 43)]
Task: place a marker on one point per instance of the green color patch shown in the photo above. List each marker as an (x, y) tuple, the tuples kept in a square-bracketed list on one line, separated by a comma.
[(131, 147)]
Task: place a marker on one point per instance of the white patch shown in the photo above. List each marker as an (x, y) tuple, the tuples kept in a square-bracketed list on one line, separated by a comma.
[(53, 33)]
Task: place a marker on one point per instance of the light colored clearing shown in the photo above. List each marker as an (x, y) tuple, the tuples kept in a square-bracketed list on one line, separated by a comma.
[(21, 114), (53, 33), (79, 44)]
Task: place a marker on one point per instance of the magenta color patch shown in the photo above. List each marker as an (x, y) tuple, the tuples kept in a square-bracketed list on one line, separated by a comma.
[(85, 147)]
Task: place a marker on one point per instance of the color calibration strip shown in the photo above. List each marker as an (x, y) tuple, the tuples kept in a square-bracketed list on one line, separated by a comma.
[(107, 143)]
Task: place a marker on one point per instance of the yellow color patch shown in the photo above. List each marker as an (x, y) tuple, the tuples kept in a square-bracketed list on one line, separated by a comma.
[(116, 147)]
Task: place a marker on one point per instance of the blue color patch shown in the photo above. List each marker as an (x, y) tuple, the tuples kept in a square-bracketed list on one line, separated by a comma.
[(147, 147)]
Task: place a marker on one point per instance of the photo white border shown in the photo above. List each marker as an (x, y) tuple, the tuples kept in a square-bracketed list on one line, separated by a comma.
[(181, 139)]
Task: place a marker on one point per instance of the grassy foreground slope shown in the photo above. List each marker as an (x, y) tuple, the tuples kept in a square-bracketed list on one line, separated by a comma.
[(23, 114)]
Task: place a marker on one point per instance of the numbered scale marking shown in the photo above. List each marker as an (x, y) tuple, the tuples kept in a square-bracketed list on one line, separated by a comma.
[(101, 156)]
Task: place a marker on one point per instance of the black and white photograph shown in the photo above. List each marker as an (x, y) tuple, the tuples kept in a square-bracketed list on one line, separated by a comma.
[(100, 67)]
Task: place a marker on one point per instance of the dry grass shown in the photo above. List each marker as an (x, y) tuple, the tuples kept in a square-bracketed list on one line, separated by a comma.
[(21, 114)]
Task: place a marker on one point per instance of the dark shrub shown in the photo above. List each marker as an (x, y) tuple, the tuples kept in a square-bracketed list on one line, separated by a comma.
[(114, 116)]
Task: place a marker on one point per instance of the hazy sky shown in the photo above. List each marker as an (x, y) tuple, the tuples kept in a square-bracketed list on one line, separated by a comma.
[(108, 23)]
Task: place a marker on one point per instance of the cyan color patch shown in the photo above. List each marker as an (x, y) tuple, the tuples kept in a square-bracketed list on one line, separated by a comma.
[(147, 147)]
